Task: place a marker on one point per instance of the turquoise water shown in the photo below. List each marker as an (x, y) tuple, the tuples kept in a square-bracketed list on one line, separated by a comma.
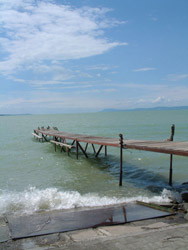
[(33, 177)]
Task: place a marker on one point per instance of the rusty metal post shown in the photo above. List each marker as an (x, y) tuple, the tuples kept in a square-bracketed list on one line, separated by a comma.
[(171, 156), (105, 150), (86, 146), (73, 143), (82, 150), (121, 158), (44, 137), (76, 149), (93, 148), (99, 151)]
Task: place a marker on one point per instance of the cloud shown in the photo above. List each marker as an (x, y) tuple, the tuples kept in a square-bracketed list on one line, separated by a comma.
[(46, 102), (176, 77), (86, 98), (159, 99), (42, 31), (143, 69)]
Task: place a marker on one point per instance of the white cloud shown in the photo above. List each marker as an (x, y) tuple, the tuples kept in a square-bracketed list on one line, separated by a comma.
[(159, 99), (176, 77), (53, 102), (44, 31), (143, 69), (85, 98)]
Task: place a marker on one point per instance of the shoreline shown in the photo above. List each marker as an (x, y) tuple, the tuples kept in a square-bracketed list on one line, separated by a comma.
[(91, 236), (135, 235)]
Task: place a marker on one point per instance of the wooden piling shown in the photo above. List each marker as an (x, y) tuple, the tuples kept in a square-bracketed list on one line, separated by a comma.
[(171, 155), (44, 137), (93, 148), (105, 150), (121, 158), (76, 149), (99, 151), (86, 147), (83, 151)]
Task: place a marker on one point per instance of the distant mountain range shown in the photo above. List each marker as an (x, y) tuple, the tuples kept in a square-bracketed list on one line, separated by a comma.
[(12, 114), (138, 109)]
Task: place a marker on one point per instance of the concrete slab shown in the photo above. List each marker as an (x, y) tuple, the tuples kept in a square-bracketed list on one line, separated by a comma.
[(4, 231), (121, 230), (41, 242), (64, 221), (156, 225), (171, 237), (86, 234)]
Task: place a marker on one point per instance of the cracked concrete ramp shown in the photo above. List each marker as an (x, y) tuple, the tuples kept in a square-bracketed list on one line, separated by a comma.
[(63, 221)]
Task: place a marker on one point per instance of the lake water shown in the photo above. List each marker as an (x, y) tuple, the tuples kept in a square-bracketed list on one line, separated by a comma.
[(35, 178)]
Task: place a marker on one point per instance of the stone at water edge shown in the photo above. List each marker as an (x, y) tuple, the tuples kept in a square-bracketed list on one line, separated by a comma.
[(184, 196), (185, 207), (186, 216)]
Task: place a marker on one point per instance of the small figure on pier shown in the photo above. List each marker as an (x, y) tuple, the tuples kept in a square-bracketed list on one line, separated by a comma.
[(48, 127)]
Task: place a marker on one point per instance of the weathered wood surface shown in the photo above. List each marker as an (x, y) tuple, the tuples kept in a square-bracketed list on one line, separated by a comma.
[(108, 141), (62, 144), (38, 136), (167, 147)]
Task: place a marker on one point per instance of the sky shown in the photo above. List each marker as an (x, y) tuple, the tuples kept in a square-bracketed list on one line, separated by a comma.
[(60, 56)]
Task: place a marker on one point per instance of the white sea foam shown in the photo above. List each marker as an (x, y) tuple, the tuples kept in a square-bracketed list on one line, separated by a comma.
[(33, 200)]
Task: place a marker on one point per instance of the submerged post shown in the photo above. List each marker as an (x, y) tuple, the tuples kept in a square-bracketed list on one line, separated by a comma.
[(171, 156), (121, 158)]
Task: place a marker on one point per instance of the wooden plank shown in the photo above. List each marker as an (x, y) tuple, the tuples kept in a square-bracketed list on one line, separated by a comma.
[(167, 147), (82, 138), (165, 150), (38, 136), (62, 144)]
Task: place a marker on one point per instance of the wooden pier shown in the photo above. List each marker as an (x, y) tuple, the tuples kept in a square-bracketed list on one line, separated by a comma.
[(60, 138)]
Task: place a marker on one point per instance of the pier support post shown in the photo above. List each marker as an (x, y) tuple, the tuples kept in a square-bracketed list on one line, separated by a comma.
[(170, 172), (82, 150), (73, 143), (171, 156), (99, 151), (93, 148), (44, 137), (86, 147), (121, 158), (105, 150), (77, 150)]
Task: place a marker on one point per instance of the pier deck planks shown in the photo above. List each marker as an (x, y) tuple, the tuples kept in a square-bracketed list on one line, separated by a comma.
[(167, 147)]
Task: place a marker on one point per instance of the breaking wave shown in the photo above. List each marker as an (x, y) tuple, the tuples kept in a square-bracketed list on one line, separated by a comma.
[(34, 200)]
